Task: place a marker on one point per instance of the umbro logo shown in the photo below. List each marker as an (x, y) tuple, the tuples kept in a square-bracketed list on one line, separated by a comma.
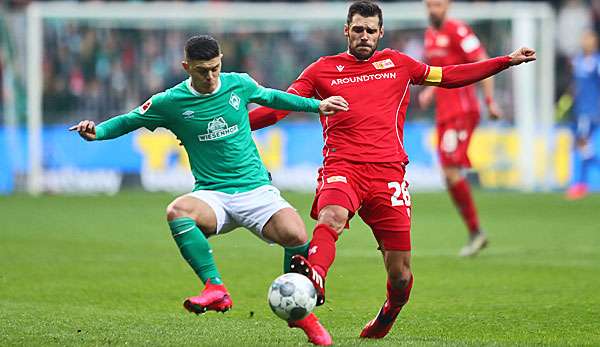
[(340, 68), (188, 114)]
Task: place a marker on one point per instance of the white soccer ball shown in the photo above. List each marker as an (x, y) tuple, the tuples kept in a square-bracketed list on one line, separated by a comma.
[(292, 296)]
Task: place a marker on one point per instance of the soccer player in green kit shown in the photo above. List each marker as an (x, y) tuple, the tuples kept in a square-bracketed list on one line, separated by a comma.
[(208, 113)]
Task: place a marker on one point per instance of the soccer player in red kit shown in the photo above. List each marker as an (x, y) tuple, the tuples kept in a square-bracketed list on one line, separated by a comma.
[(364, 158), (450, 42)]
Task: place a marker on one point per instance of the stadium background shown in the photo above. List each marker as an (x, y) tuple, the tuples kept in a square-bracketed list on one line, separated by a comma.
[(94, 72)]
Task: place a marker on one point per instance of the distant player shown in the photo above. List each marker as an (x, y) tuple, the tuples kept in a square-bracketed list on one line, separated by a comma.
[(450, 42), (208, 113), (586, 110), (364, 159)]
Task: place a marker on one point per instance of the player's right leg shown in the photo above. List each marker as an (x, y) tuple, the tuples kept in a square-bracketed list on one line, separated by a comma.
[(191, 220), (322, 249)]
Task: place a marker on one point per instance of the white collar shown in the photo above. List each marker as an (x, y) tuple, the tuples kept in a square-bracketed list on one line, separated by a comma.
[(197, 93)]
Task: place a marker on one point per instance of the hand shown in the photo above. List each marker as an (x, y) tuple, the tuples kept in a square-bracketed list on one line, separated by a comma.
[(86, 129), (425, 97), (494, 111), (333, 104), (522, 55)]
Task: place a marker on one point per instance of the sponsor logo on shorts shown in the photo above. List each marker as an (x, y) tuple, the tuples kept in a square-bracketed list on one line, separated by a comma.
[(337, 179), (218, 128)]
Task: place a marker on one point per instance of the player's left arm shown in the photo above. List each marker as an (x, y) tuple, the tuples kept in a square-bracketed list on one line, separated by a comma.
[(281, 100), (454, 76)]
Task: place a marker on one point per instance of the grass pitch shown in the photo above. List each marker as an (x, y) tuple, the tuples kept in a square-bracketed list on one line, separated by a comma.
[(105, 271)]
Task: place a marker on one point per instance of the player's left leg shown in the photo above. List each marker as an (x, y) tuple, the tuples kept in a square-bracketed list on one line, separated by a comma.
[(399, 285), (287, 229), (388, 213)]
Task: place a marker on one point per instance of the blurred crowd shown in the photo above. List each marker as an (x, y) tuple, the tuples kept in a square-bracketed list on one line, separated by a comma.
[(92, 72)]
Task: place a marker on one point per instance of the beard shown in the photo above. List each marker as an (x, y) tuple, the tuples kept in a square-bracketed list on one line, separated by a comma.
[(362, 54), (436, 22)]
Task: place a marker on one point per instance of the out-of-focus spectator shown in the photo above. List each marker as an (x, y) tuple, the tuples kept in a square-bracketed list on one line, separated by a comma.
[(574, 17)]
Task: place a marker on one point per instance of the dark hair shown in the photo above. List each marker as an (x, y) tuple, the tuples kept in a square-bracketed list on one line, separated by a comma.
[(201, 47), (365, 9)]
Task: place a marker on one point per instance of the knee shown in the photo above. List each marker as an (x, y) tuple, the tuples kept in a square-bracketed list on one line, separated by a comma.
[(452, 175), (400, 280), (400, 275), (334, 217), (293, 238), (175, 210)]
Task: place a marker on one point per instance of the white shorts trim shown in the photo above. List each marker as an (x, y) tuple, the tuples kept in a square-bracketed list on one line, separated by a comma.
[(251, 209)]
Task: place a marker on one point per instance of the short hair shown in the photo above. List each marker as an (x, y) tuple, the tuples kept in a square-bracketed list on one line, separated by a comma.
[(201, 47), (365, 8)]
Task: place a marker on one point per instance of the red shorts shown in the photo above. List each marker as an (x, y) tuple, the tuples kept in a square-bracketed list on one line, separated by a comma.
[(454, 136), (377, 191)]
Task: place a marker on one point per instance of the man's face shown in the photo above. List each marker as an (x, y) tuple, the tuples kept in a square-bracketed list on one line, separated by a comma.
[(363, 36), (589, 42), (436, 10), (204, 73)]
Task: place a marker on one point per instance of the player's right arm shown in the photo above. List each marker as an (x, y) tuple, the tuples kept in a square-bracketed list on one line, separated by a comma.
[(263, 117), (148, 115)]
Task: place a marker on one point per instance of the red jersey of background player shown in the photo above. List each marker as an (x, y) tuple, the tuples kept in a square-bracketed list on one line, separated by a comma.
[(377, 92), (454, 43)]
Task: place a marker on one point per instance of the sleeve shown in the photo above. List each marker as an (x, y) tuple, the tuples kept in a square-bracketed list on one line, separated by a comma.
[(149, 115), (454, 76), (417, 71), (468, 43), (263, 117)]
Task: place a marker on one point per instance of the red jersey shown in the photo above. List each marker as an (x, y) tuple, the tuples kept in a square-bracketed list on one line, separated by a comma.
[(378, 94), (454, 43)]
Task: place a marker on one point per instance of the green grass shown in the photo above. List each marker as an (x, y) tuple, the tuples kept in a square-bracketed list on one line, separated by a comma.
[(105, 271)]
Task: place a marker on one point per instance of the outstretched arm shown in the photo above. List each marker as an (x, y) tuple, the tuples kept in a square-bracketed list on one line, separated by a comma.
[(148, 115), (454, 76), (262, 117), (109, 129), (286, 101)]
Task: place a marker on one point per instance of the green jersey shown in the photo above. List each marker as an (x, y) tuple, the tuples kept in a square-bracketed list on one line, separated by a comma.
[(214, 128)]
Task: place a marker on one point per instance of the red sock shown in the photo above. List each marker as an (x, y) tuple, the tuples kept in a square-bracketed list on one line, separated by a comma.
[(399, 297), (321, 251), (463, 199)]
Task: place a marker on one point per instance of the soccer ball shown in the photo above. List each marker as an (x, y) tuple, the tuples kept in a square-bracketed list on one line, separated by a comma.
[(292, 296)]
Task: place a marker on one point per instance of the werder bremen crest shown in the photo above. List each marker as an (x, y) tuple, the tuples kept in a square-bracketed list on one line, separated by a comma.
[(234, 101), (217, 128)]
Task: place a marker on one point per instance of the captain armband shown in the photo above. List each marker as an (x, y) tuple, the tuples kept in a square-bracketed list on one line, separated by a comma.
[(434, 76)]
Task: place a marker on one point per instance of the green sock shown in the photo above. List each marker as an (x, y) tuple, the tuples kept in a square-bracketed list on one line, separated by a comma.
[(289, 252), (195, 249)]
